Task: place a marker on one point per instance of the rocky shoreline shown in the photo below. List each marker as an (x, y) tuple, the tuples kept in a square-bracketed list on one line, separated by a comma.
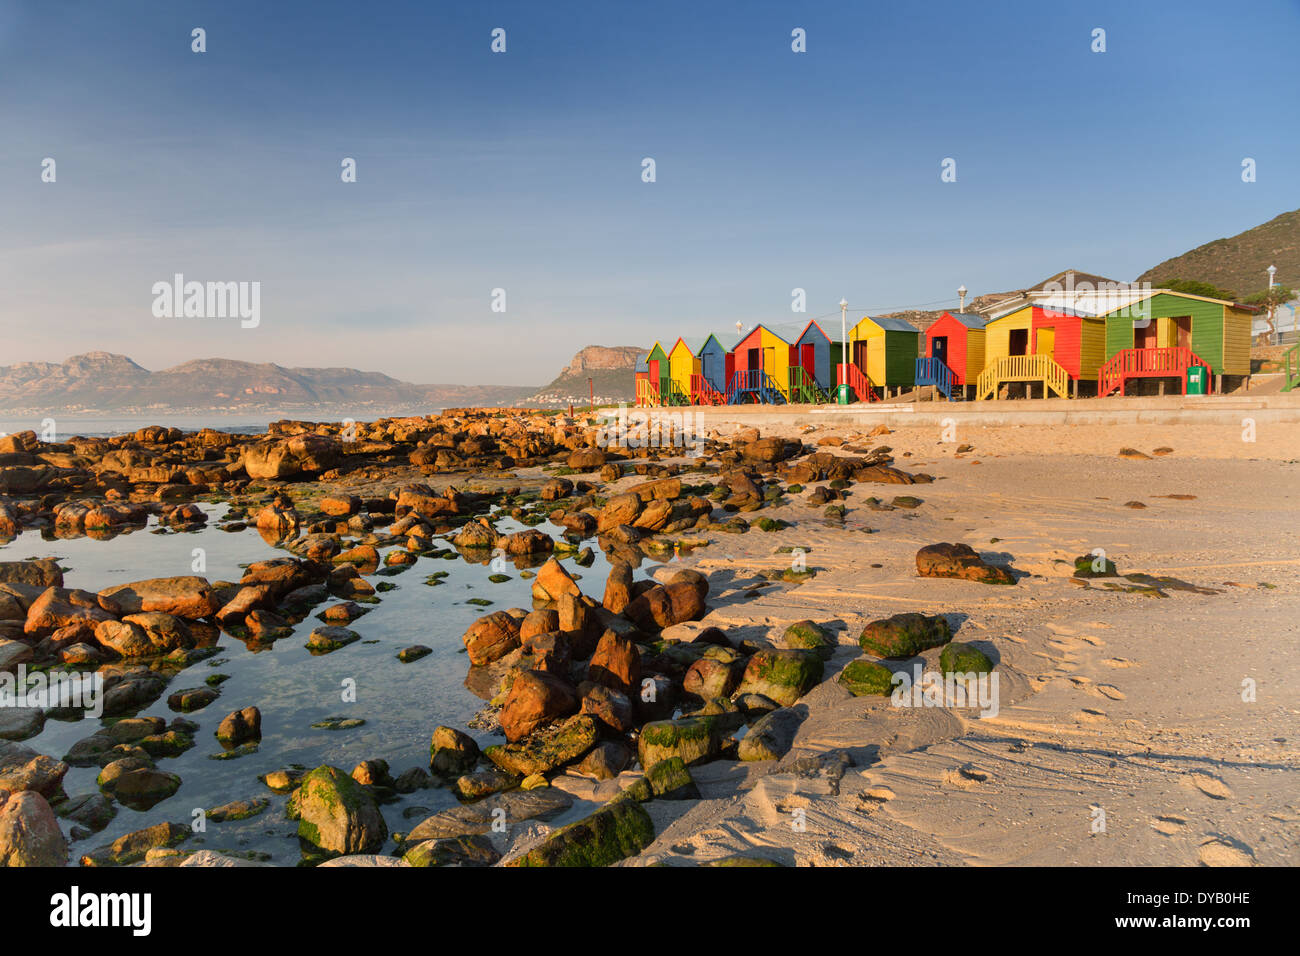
[(632, 690)]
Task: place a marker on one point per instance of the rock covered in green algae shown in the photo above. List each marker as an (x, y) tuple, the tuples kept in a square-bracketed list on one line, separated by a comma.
[(671, 780), (335, 814), (1094, 566), (693, 739), (810, 636), (905, 635), (615, 832), (867, 678), (132, 847), (782, 675), (470, 850), (546, 749), (959, 658)]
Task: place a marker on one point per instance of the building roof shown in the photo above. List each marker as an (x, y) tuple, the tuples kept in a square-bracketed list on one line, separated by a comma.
[(891, 325), (972, 320), (643, 362), (792, 332)]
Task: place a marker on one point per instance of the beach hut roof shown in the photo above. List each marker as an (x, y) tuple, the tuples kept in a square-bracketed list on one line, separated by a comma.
[(891, 324), (792, 332), (694, 342), (971, 320), (643, 362)]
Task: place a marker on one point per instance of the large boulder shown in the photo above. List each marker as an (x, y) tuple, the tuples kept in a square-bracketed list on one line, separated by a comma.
[(946, 560), (289, 458), (613, 833), (187, 596), (491, 637), (905, 635), (547, 748), (536, 698), (40, 572), (29, 832), (616, 663), (337, 815), (782, 675)]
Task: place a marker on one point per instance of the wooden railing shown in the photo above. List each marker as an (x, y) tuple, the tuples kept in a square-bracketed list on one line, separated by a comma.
[(803, 387), (857, 381), (671, 393), (756, 383), (1023, 368), (647, 394), (1169, 361), (933, 371), (702, 393), (1291, 368)]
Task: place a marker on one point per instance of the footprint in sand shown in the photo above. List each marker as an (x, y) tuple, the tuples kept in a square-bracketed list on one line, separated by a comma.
[(1220, 851), (1094, 641), (1168, 825), (1090, 715), (1210, 786), (1119, 662), (1109, 690)]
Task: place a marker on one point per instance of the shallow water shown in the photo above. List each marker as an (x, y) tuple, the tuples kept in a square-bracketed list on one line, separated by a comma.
[(400, 703)]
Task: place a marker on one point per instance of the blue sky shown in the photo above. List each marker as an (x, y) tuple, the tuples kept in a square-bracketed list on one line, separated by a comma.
[(522, 170)]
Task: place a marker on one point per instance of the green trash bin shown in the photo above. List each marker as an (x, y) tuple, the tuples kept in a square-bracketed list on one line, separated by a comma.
[(844, 395), (1196, 379)]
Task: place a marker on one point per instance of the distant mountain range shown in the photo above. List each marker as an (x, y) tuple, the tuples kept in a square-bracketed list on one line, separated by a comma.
[(106, 382)]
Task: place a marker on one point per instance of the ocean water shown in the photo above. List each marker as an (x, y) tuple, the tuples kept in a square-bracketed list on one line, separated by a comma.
[(400, 703), (59, 428)]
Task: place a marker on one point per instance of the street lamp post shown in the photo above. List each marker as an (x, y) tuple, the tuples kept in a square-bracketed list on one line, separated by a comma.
[(844, 342), (1272, 324), (961, 293)]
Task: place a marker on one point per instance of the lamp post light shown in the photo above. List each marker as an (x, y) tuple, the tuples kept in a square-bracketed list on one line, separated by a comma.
[(961, 293)]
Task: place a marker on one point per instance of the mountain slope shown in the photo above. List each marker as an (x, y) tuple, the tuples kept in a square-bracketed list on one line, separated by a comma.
[(1240, 263), (612, 370), (103, 381)]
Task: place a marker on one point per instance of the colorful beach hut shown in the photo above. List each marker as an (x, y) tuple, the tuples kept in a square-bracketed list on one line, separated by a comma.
[(885, 351), (645, 395), (953, 353), (717, 361), (1161, 334), (683, 366), (1057, 347), (810, 361), (762, 368), (658, 374)]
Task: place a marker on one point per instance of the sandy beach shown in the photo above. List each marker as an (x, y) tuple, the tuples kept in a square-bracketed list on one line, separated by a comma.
[(1125, 702)]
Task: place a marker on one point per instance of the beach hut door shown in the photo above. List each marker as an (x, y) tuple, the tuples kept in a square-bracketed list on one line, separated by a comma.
[(1046, 342), (1184, 326), (808, 359), (939, 348), (1144, 336), (753, 360), (1018, 342)]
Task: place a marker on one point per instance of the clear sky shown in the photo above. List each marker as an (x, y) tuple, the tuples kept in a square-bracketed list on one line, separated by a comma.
[(775, 170)]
